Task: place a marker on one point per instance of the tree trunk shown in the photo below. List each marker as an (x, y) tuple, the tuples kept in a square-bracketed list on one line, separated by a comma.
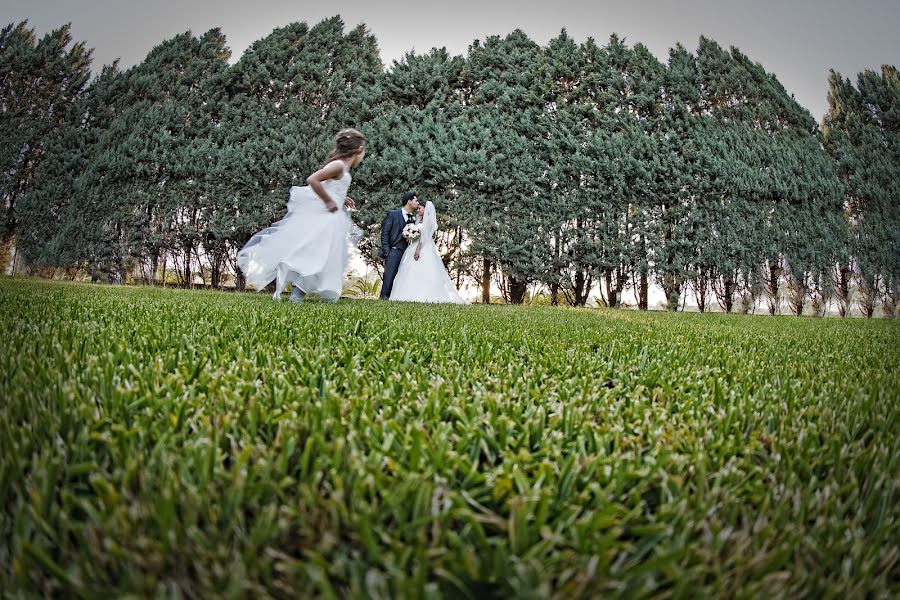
[(672, 289), (612, 293), (216, 271), (187, 266), (729, 295), (773, 280), (240, 282), (868, 307), (164, 256), (486, 282), (842, 288), (868, 296), (517, 289), (578, 288), (154, 267), (700, 289), (798, 305), (554, 294), (643, 291), (582, 288), (725, 288), (891, 300), (799, 290)]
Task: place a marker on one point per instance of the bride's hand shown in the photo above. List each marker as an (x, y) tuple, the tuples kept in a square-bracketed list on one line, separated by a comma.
[(416, 255), (349, 203), (331, 206)]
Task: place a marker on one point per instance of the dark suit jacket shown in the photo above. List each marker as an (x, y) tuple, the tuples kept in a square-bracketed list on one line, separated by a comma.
[(392, 232)]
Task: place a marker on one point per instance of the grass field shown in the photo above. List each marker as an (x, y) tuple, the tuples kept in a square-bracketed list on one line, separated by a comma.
[(202, 444)]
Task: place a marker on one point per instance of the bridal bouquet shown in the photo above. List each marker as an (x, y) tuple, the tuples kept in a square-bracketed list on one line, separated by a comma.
[(411, 232)]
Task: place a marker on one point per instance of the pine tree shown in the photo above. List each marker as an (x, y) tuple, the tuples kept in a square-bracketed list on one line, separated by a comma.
[(563, 126), (672, 147), (153, 167), (58, 219), (862, 133), (40, 80), (780, 172), (617, 102), (506, 222)]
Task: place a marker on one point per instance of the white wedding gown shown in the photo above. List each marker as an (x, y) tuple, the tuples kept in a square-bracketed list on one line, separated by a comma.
[(426, 279), (308, 247)]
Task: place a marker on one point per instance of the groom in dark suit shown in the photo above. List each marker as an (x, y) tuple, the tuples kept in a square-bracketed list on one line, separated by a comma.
[(393, 244)]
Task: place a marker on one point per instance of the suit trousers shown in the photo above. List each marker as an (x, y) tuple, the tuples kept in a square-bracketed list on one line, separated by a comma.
[(391, 266)]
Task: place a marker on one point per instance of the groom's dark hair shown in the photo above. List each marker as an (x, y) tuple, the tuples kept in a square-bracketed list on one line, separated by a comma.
[(406, 198)]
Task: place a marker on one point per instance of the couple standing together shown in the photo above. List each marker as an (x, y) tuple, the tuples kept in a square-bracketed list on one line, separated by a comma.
[(309, 247), (413, 269)]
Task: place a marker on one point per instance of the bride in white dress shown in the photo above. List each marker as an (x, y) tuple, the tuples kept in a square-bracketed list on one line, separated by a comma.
[(309, 245), (422, 276)]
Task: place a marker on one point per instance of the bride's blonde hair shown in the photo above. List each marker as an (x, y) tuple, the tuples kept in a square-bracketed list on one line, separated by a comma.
[(347, 142)]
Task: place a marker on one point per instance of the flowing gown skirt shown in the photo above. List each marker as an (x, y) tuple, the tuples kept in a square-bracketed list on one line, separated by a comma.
[(426, 279), (308, 247)]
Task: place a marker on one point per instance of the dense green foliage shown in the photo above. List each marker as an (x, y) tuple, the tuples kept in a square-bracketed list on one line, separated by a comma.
[(862, 133), (40, 81), (161, 441), (571, 167)]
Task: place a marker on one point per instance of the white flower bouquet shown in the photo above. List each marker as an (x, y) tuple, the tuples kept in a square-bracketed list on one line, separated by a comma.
[(412, 232)]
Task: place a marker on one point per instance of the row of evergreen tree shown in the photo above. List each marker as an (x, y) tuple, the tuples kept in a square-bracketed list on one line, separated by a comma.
[(570, 166)]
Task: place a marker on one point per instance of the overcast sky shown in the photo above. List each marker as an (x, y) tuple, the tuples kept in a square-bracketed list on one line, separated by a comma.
[(798, 40)]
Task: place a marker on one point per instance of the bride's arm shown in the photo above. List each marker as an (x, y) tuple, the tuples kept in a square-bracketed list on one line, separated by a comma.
[(418, 249), (332, 170)]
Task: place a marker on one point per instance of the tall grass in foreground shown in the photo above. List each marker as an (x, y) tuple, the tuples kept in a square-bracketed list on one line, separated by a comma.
[(163, 442)]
